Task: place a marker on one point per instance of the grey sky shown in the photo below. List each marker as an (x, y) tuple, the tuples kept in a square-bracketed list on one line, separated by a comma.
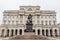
[(45, 4)]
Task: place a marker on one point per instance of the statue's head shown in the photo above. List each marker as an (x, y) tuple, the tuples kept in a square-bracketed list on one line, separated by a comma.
[(30, 16)]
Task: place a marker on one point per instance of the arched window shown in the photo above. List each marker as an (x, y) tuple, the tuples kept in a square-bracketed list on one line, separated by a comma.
[(46, 22), (38, 32), (2, 32), (16, 32), (51, 33), (20, 31), (56, 32), (7, 32), (12, 32), (47, 32), (42, 31), (33, 30)]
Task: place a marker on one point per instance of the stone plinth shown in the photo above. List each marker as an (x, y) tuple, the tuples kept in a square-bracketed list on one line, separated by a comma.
[(29, 33)]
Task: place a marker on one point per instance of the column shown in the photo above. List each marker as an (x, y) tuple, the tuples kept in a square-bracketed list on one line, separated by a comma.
[(45, 32), (40, 31), (53, 32), (48, 32), (5, 32), (9, 32), (13, 32), (36, 33), (0, 32), (18, 32), (22, 31)]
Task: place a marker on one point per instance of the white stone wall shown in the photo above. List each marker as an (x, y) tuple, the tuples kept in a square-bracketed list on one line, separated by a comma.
[(14, 17), (44, 15)]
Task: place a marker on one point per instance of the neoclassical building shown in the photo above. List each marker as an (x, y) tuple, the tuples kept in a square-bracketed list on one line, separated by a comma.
[(29, 19)]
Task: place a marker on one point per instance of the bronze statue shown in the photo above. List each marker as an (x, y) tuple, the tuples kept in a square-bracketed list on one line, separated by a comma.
[(29, 21), (29, 24)]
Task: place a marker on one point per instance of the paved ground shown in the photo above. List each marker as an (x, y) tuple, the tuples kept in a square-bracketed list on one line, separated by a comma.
[(26, 37)]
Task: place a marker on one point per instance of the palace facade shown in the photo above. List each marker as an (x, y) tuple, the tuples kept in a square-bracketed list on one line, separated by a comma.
[(29, 19)]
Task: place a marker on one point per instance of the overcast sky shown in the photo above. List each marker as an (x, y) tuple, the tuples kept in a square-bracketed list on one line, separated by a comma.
[(44, 4)]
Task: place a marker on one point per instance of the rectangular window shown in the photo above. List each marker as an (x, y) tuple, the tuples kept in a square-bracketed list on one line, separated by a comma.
[(37, 8), (41, 17), (9, 16), (4, 21), (49, 22), (21, 21), (42, 22), (53, 16), (13, 16), (17, 16), (46, 17), (38, 21), (38, 16), (49, 16), (16, 22), (21, 16), (12, 22), (8, 21), (46, 22), (54, 22)]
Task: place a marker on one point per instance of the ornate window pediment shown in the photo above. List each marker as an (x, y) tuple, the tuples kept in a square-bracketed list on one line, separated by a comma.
[(21, 8), (30, 9)]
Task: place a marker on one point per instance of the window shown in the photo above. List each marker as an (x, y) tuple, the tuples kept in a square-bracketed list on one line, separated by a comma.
[(4, 21), (45, 17), (53, 16), (46, 22), (38, 21), (42, 22), (21, 16), (54, 22), (8, 21), (49, 22), (12, 22), (38, 16), (21, 21), (13, 16), (16, 22), (16, 16), (49, 16), (9, 16), (41, 17)]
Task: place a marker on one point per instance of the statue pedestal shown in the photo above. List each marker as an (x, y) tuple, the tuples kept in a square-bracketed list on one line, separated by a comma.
[(29, 33), (29, 28)]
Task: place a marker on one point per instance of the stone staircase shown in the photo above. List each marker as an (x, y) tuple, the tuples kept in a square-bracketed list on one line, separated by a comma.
[(28, 36)]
